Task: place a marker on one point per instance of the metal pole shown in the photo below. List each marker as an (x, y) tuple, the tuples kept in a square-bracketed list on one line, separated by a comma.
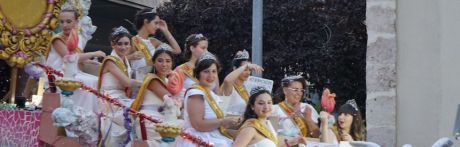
[(257, 28)]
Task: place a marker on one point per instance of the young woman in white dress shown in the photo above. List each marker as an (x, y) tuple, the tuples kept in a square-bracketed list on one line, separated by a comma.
[(203, 116), (115, 81), (233, 86), (256, 130), (68, 22), (151, 97), (147, 22), (195, 46)]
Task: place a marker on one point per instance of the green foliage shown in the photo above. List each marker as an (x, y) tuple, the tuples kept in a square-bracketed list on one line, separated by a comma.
[(323, 39)]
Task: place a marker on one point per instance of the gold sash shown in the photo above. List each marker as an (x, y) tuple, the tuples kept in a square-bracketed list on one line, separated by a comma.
[(139, 45), (242, 91), (256, 124), (136, 105), (188, 71), (119, 64), (298, 120), (214, 107)]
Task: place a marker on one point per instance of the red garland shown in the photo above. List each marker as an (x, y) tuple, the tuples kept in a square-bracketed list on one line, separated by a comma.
[(50, 71), (195, 140)]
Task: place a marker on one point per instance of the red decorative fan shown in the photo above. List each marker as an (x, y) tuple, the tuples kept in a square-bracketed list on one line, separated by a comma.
[(328, 100), (175, 82), (72, 41)]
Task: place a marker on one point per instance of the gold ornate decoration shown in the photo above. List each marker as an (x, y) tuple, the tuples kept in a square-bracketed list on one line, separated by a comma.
[(26, 28)]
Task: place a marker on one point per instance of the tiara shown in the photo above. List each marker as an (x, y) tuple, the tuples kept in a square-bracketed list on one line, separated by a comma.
[(291, 78), (164, 46), (198, 36), (150, 12), (257, 89), (242, 55), (206, 55), (120, 30), (353, 103)]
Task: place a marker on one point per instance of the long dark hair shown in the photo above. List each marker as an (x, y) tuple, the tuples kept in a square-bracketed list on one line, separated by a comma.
[(192, 40), (158, 53), (143, 14), (249, 112), (357, 127), (286, 82)]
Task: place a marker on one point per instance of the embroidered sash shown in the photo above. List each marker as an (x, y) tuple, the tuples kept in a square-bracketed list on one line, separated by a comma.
[(117, 62), (256, 124), (242, 91), (188, 71), (139, 45), (213, 104), (136, 105), (298, 120)]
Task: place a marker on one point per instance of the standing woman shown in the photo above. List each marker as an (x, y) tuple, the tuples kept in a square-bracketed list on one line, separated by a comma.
[(115, 81), (256, 130), (151, 96), (147, 22), (203, 116), (349, 125), (68, 22), (296, 118), (233, 85), (195, 46)]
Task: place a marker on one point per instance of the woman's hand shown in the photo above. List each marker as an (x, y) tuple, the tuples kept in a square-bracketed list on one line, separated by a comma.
[(161, 24), (323, 116), (255, 68), (230, 121), (136, 55), (99, 54), (346, 137), (307, 112)]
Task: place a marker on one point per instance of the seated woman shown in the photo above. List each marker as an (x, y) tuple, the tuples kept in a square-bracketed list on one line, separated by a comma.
[(115, 81), (233, 85), (150, 98), (296, 118), (68, 22), (256, 130), (203, 117), (350, 125)]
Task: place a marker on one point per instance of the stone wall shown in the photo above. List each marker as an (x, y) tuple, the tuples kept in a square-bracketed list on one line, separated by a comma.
[(381, 72)]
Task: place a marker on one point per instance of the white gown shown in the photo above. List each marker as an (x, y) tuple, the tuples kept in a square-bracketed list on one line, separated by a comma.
[(112, 124), (236, 104), (213, 136), (82, 98), (150, 107), (286, 126)]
